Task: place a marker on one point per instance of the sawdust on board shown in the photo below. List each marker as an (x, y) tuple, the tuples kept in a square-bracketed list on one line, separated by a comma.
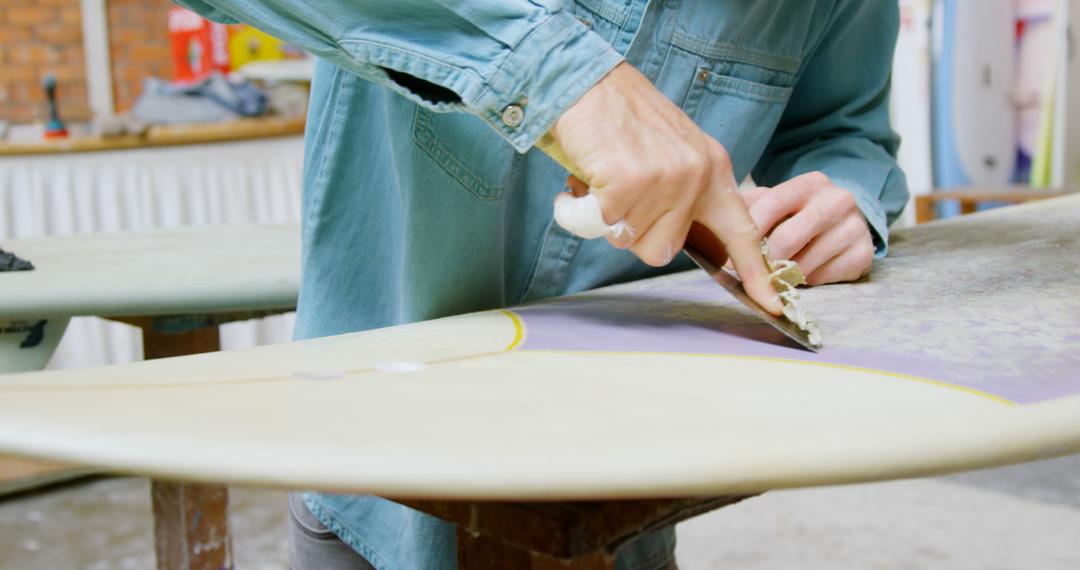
[(786, 277)]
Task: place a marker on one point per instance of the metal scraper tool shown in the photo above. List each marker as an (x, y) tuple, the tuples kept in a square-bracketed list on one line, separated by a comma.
[(791, 330), (734, 286)]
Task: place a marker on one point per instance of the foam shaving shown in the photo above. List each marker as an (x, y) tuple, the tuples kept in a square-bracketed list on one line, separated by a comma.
[(786, 277)]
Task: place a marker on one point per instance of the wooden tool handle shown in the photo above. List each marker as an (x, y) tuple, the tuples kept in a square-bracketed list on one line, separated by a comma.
[(552, 148)]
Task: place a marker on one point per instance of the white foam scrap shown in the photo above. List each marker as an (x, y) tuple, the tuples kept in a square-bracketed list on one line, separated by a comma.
[(400, 367), (583, 217)]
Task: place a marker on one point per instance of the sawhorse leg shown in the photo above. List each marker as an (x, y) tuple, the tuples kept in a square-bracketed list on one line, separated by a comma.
[(557, 536), (191, 523), (191, 526)]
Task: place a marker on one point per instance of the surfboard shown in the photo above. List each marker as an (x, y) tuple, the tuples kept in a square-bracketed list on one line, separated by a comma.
[(960, 351), (974, 116), (175, 272)]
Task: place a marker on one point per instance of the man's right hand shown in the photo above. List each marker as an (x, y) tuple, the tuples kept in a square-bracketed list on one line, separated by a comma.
[(650, 166)]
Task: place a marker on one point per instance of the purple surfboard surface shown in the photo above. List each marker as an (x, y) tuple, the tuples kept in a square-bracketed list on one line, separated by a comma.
[(989, 302)]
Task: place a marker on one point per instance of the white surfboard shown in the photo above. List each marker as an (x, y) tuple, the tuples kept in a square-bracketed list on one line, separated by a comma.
[(194, 270), (909, 100), (959, 352), (974, 114)]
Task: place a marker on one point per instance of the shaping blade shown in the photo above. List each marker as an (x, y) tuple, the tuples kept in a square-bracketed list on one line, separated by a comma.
[(735, 287)]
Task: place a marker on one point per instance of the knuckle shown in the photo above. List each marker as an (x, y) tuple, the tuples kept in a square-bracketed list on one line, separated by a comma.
[(839, 210), (815, 220), (637, 176), (654, 173), (631, 170), (685, 171), (868, 250), (863, 258), (608, 164), (746, 231), (700, 177), (769, 204), (845, 200), (780, 246), (695, 160), (817, 178), (854, 230), (736, 232), (716, 153)]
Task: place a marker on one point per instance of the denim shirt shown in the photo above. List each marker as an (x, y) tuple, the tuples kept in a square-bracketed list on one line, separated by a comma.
[(422, 198)]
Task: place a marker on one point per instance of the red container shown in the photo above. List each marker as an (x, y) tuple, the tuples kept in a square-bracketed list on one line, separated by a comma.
[(199, 46)]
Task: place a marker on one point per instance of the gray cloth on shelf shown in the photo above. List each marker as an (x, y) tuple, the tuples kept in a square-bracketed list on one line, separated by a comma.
[(214, 98)]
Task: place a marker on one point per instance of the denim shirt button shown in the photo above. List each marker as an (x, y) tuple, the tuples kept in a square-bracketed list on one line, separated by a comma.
[(513, 115)]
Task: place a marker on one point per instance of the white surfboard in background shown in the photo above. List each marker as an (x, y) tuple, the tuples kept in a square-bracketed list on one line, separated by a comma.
[(974, 117), (1065, 169), (1036, 76), (909, 101)]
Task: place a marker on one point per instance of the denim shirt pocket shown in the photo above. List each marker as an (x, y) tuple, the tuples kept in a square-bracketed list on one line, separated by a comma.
[(741, 114), (736, 97), (467, 149)]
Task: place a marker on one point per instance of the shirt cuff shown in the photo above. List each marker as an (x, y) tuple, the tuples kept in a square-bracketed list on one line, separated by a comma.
[(543, 76), (869, 183), (530, 87)]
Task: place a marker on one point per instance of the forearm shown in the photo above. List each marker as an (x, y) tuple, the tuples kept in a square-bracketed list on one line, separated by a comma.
[(479, 57)]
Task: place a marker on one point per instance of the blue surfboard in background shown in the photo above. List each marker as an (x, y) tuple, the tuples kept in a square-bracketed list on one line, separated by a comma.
[(974, 118)]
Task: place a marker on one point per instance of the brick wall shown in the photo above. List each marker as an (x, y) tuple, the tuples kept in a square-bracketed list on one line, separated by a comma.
[(37, 36), (138, 45)]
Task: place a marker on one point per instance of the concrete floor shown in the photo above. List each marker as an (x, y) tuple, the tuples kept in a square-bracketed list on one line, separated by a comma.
[(1023, 517)]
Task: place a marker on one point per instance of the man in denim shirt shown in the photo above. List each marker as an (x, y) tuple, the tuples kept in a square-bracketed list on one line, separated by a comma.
[(422, 198)]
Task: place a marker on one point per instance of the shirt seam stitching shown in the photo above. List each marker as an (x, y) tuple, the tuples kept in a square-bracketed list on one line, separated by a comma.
[(730, 52)]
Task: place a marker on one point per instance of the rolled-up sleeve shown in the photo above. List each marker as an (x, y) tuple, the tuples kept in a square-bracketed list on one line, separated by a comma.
[(838, 118), (517, 64)]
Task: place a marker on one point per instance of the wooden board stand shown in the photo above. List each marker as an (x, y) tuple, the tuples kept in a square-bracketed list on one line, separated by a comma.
[(563, 536), (20, 475), (191, 525)]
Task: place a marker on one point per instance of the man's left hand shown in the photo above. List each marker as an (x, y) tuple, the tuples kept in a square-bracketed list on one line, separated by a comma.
[(810, 220)]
